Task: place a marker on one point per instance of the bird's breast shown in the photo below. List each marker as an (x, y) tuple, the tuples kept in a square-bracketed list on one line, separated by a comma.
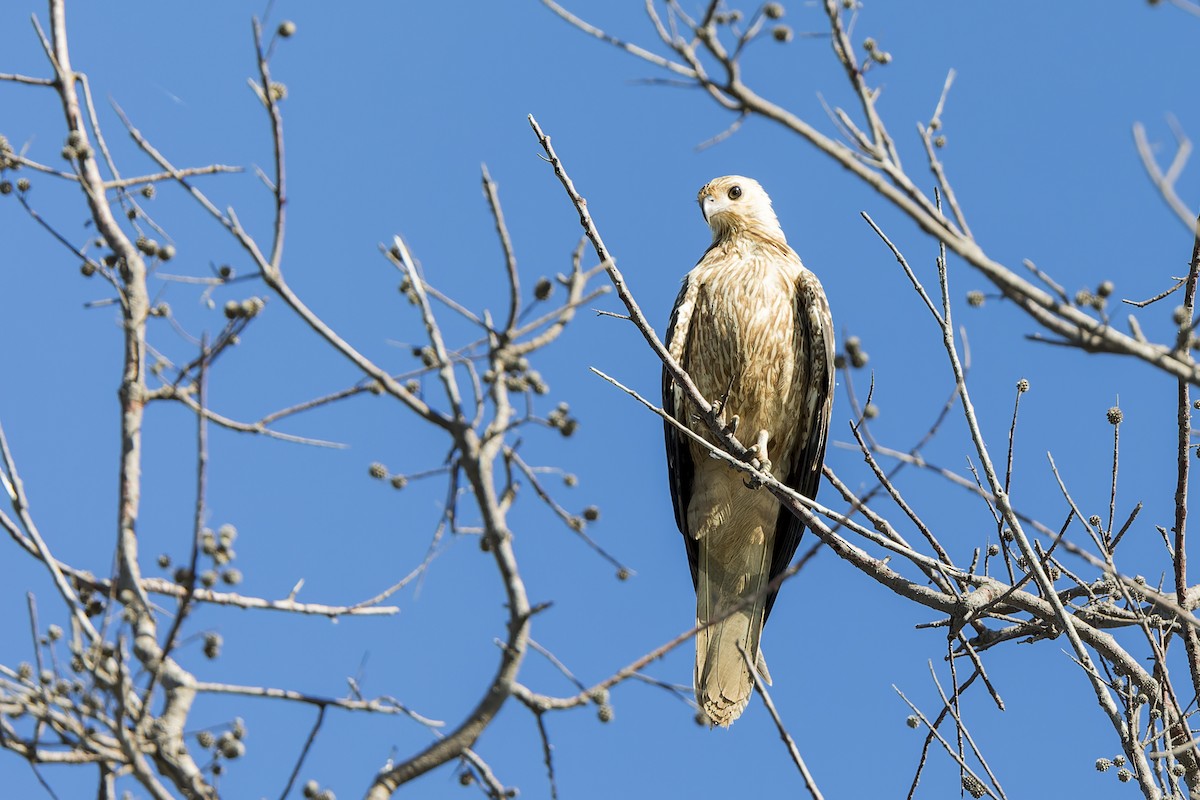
[(744, 340)]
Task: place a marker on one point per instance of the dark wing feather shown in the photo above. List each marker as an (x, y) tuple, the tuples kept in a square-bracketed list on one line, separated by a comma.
[(804, 473), (680, 469)]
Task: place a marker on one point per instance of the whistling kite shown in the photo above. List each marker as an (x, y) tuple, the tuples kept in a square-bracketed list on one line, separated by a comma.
[(752, 328)]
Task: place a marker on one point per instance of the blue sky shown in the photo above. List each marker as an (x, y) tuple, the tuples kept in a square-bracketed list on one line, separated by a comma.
[(390, 111)]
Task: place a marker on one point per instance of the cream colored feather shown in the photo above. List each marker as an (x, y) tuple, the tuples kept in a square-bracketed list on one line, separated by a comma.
[(736, 533)]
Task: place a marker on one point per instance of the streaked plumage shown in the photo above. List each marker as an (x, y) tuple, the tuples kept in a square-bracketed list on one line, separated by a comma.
[(750, 320)]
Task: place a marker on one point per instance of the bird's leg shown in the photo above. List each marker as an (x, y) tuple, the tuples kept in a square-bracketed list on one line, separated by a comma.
[(759, 460)]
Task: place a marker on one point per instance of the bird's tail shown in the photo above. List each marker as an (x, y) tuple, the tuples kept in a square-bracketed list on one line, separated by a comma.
[(728, 573)]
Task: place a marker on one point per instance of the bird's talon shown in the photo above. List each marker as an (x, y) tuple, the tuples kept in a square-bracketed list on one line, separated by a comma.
[(759, 449)]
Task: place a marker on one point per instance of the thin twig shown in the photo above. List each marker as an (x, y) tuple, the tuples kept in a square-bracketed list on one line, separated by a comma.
[(809, 782), (946, 745), (1165, 182), (308, 743), (510, 259)]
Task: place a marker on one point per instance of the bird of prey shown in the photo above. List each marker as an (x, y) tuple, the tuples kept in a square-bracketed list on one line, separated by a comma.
[(752, 328)]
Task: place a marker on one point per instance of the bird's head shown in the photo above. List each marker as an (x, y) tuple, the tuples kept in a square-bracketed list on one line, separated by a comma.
[(734, 204)]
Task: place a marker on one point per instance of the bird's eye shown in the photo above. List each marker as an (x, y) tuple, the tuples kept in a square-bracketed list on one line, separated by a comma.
[(735, 192)]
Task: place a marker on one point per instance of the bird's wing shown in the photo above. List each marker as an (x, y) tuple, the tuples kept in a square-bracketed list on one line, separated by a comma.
[(815, 372), (680, 468)]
